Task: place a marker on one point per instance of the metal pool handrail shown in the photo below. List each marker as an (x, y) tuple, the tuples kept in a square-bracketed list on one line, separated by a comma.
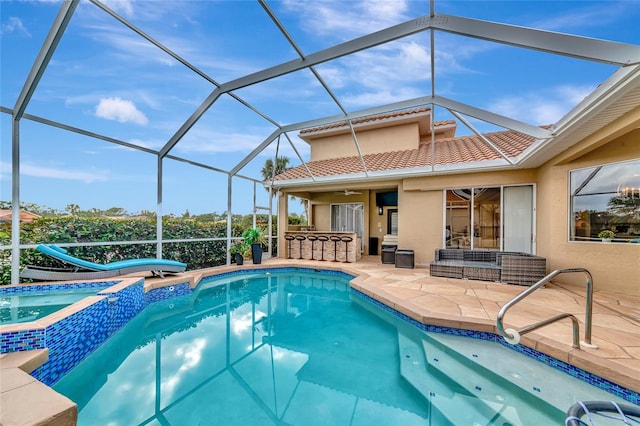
[(513, 336)]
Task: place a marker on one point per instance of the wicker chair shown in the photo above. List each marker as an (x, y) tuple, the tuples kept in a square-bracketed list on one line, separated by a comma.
[(521, 268)]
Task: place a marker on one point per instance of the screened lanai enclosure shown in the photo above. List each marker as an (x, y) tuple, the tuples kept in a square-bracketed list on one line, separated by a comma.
[(172, 108)]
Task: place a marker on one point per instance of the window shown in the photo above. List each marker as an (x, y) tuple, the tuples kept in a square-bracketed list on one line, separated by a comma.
[(490, 218), (605, 197), (392, 221)]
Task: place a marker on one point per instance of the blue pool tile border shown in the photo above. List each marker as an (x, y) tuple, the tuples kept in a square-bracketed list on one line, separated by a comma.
[(26, 340), (585, 376), (168, 292), (330, 272), (40, 288)]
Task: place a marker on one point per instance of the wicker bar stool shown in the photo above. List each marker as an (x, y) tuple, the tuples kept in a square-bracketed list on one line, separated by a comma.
[(323, 239), (289, 238), (313, 239), (300, 238), (335, 239), (346, 240)]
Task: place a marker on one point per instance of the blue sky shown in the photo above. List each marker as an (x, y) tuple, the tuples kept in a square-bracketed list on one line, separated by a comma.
[(106, 79)]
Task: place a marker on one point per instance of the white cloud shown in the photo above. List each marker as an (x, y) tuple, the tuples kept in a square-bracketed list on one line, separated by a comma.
[(385, 74), (596, 15), (329, 18), (124, 7), (14, 25), (206, 141), (121, 110), (55, 173), (382, 97), (541, 107)]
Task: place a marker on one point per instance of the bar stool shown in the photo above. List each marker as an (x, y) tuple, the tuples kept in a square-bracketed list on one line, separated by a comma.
[(300, 238), (323, 239), (335, 239), (313, 239), (289, 238), (346, 240)]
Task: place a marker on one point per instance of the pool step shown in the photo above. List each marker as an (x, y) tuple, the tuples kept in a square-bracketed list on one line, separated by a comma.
[(499, 364), (450, 402), (454, 402)]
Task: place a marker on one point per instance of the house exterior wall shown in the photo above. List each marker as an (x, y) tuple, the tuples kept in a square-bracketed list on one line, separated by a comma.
[(400, 137), (420, 223), (322, 217), (614, 266), (421, 201)]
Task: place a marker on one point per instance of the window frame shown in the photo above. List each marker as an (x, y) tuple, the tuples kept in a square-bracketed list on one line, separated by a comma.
[(593, 172)]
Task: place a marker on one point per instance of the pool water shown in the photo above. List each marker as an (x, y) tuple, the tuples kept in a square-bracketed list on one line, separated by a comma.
[(298, 348), (25, 307)]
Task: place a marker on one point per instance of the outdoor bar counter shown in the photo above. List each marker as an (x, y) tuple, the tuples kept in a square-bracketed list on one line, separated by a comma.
[(331, 248)]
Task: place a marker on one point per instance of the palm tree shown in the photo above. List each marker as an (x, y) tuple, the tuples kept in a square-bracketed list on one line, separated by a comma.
[(281, 166), (268, 172)]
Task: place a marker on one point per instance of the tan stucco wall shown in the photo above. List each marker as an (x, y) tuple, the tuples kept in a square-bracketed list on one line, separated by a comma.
[(614, 266), (420, 223), (394, 138), (321, 217)]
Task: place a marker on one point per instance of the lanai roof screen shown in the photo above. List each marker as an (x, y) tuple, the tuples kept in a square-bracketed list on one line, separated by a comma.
[(216, 85)]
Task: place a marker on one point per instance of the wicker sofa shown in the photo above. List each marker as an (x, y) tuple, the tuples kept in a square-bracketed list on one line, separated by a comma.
[(489, 265)]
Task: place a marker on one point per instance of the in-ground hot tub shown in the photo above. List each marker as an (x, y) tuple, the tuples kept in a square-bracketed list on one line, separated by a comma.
[(29, 303)]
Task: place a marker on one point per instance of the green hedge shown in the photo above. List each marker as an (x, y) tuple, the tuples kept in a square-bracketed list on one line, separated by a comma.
[(68, 229)]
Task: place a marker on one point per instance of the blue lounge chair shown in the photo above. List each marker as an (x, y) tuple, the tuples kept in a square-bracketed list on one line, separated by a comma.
[(83, 269)]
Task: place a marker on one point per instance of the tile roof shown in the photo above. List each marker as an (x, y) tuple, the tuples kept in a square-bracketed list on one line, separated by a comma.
[(457, 150)]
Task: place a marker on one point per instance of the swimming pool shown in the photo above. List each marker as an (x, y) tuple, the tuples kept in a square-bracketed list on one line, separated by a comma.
[(26, 306), (301, 348)]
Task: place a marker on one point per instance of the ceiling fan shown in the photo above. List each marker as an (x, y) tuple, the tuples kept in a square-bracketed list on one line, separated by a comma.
[(349, 192)]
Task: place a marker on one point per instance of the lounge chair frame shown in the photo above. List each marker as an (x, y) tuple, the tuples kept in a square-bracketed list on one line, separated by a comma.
[(82, 270)]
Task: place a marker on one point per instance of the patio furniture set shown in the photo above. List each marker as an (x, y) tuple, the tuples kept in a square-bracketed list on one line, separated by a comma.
[(489, 265)]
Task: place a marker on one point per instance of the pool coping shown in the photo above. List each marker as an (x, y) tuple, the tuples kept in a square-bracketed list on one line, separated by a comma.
[(26, 400)]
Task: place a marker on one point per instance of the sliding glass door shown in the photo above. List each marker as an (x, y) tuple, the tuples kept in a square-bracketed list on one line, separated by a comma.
[(490, 218), (518, 219)]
